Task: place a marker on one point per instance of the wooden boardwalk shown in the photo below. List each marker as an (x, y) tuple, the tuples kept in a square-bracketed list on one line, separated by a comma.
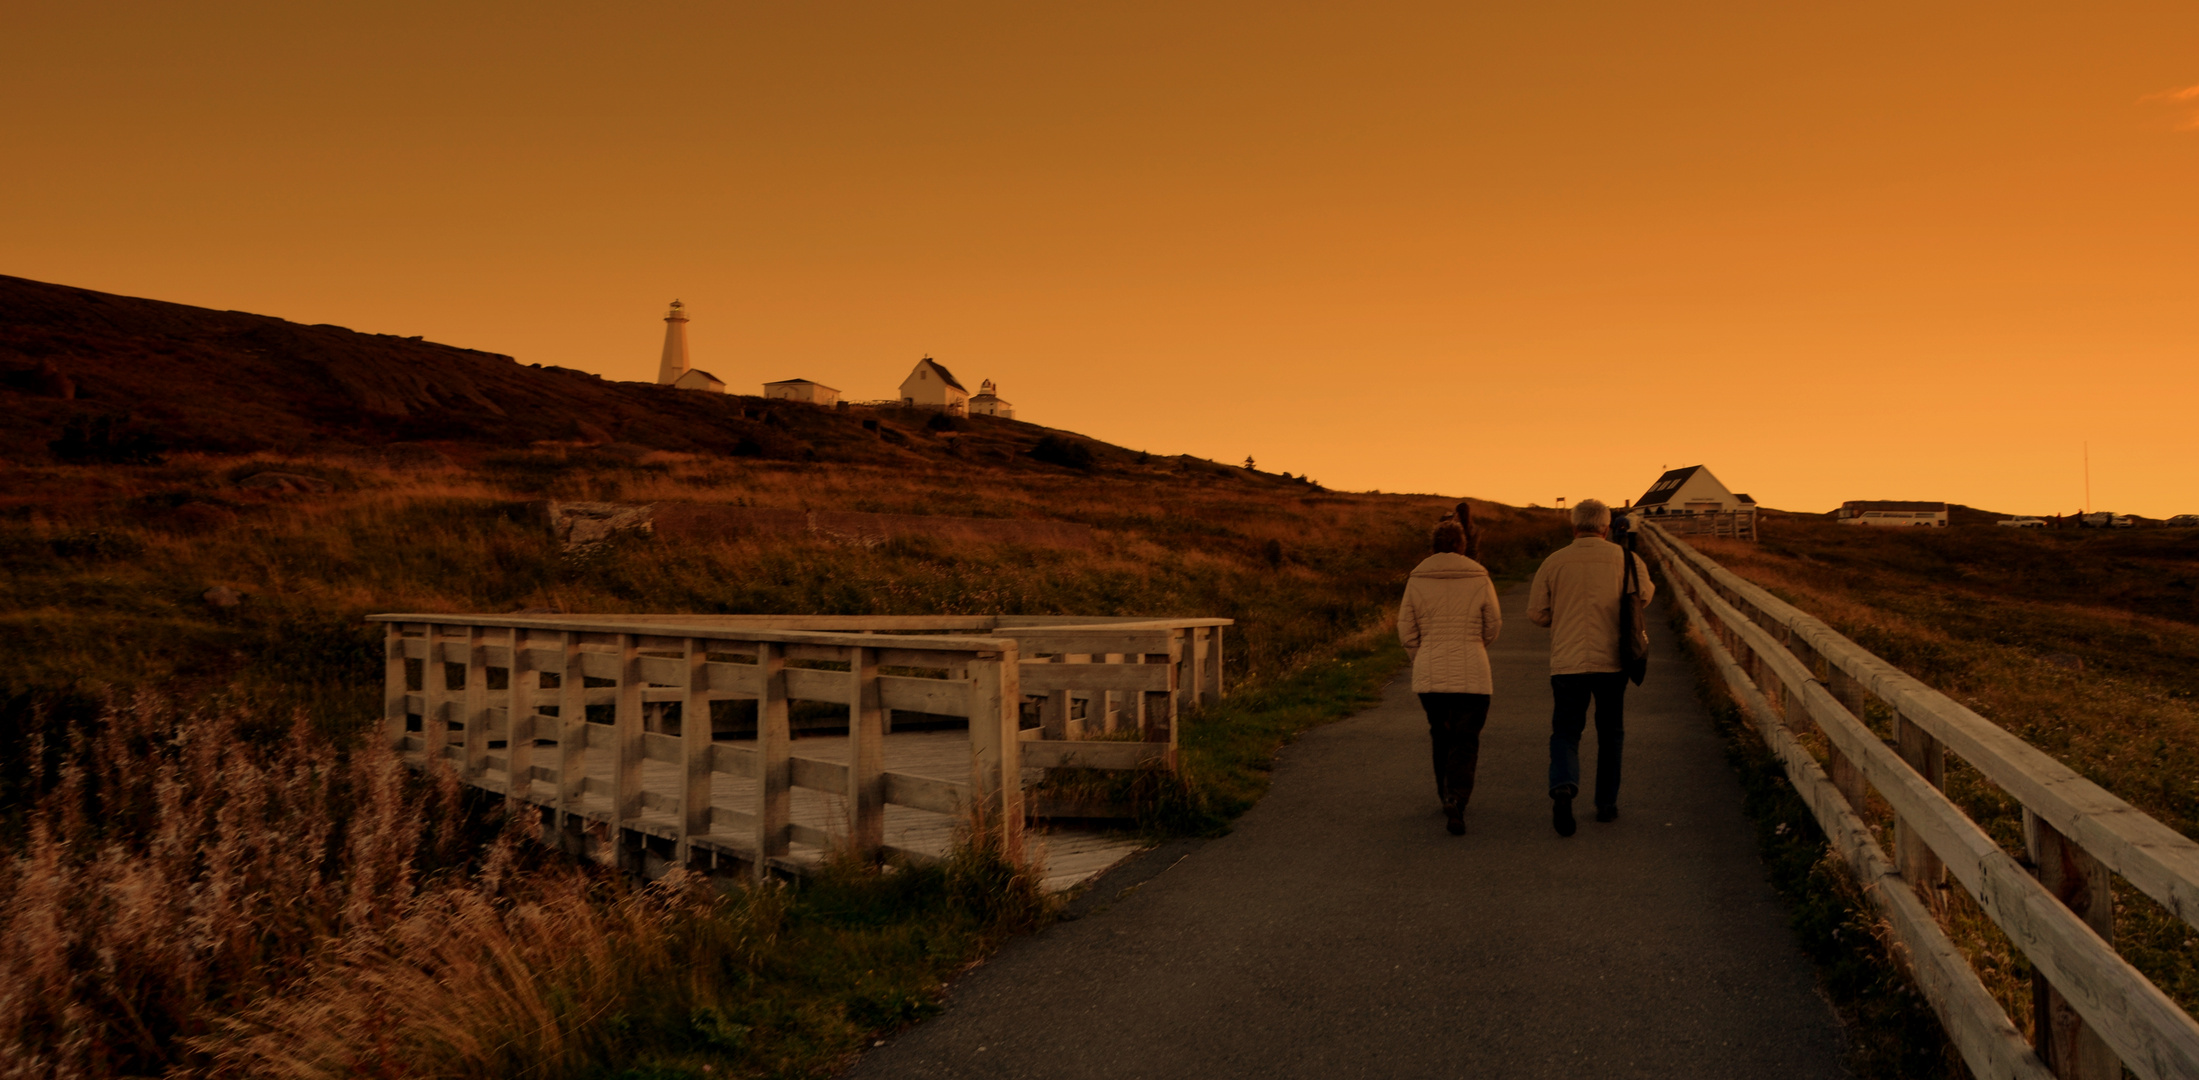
[(612, 725), (1067, 856)]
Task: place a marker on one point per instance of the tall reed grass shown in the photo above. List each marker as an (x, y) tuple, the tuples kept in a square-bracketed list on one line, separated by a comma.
[(193, 902)]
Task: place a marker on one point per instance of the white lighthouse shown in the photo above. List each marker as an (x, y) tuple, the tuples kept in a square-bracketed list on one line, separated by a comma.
[(674, 370)]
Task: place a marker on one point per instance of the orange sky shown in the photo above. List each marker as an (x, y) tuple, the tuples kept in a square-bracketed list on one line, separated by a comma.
[(1519, 251)]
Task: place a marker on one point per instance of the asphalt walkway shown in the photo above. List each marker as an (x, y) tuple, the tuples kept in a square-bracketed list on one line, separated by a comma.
[(1338, 931)]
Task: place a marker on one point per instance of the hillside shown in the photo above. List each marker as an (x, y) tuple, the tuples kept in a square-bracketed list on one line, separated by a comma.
[(171, 378), (235, 492), (410, 467)]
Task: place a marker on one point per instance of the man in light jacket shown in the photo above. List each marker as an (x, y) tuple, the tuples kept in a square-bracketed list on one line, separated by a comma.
[(1576, 595), (1446, 623)]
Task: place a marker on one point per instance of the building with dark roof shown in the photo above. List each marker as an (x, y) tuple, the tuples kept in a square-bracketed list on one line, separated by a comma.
[(931, 386), (1692, 490)]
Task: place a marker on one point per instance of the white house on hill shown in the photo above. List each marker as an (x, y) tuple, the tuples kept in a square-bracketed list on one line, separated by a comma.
[(988, 403), (815, 393), (932, 386), (1692, 490)]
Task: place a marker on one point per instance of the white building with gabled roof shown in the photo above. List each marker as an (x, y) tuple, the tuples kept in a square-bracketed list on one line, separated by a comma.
[(931, 386), (1692, 490), (816, 393)]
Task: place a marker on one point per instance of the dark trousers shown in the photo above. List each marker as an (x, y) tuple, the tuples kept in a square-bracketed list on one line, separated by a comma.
[(1454, 734), (1569, 717)]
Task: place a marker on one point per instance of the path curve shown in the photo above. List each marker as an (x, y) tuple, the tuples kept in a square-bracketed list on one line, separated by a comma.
[(1337, 931)]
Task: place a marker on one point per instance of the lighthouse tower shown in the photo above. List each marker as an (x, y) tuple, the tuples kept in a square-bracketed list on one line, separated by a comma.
[(674, 370), (675, 346)]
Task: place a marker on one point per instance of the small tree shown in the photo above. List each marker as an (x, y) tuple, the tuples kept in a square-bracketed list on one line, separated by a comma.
[(1248, 461)]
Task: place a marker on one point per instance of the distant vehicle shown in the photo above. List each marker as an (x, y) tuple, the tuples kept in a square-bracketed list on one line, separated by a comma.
[(2097, 520), (2022, 523), (2182, 521), (2122, 521)]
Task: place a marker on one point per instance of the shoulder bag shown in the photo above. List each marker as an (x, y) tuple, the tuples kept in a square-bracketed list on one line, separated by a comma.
[(1633, 619)]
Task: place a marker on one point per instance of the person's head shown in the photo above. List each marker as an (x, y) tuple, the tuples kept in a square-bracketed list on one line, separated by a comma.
[(1449, 538), (1591, 518)]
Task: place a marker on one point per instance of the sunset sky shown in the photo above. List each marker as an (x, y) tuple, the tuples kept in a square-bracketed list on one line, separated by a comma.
[(1519, 251)]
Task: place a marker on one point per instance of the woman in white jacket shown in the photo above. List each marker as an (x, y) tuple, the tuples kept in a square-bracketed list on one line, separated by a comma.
[(1449, 617)]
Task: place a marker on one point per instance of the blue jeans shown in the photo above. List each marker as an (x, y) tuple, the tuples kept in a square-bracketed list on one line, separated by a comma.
[(1569, 717)]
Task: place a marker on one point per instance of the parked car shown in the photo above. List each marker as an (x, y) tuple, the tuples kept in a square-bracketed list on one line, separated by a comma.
[(2022, 523), (2122, 521), (2183, 521)]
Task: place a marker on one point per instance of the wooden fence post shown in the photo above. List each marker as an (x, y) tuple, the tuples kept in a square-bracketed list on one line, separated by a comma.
[(520, 685), (476, 760), (774, 753), (866, 757), (626, 742), (2061, 1038), (1211, 691), (572, 747), (1922, 868), (435, 692), (1195, 664), (1171, 706), (1844, 773), (394, 703), (1113, 705), (694, 751), (1053, 716), (996, 748)]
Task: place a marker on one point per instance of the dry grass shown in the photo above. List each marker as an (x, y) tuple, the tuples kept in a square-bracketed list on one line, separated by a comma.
[(181, 867), (247, 887), (2081, 643), (193, 901)]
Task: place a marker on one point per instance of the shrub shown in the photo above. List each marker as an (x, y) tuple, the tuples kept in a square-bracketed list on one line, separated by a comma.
[(1067, 453), (99, 440)]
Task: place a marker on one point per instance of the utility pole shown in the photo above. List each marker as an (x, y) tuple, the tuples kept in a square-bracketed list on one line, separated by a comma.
[(2088, 476)]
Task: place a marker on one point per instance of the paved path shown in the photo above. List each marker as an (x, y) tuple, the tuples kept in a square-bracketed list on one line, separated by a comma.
[(1339, 932)]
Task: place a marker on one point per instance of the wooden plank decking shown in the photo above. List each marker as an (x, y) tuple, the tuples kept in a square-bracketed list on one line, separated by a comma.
[(1068, 857)]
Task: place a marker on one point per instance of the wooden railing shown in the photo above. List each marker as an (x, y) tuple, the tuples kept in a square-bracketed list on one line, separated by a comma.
[(2093, 1012), (1129, 675)]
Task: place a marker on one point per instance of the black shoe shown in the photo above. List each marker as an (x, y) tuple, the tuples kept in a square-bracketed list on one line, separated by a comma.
[(1454, 819), (1607, 813), (1561, 815)]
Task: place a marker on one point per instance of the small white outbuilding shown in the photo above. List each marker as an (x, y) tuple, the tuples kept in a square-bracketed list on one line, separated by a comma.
[(816, 393), (988, 403)]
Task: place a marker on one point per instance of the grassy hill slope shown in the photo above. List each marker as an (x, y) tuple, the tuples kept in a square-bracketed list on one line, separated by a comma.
[(219, 876), (195, 379)]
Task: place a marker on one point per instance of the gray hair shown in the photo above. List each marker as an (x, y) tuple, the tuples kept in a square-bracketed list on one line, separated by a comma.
[(1591, 515)]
